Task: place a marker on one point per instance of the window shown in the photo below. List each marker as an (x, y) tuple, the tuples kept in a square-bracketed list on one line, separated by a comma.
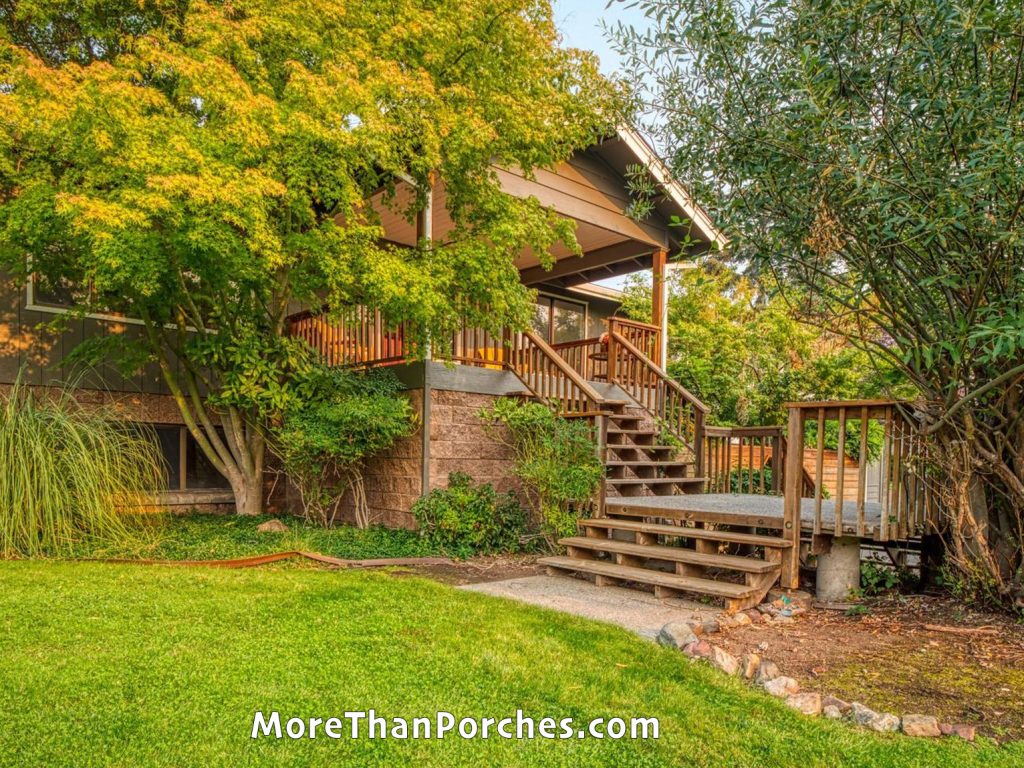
[(64, 295), (558, 320), (185, 463)]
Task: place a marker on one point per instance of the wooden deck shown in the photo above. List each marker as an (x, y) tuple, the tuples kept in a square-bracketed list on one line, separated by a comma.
[(744, 510)]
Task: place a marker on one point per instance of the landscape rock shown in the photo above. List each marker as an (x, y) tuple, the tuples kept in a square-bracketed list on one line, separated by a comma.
[(701, 649), (965, 732), (832, 712), (676, 634), (782, 687), (885, 723), (790, 598), (832, 701), (767, 671), (711, 626), (767, 609), (724, 660), (862, 715), (945, 729), (697, 625), (807, 703), (921, 725), (753, 614), (749, 665), (780, 619), (741, 619), (272, 526)]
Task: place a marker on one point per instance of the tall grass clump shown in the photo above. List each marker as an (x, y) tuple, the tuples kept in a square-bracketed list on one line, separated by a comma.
[(68, 474)]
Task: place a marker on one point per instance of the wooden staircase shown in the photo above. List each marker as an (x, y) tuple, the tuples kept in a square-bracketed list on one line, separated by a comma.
[(673, 552)]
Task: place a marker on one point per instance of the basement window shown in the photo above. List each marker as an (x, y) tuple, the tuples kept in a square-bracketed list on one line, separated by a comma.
[(185, 464)]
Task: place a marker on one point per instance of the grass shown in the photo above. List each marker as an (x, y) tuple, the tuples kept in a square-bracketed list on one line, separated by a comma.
[(219, 537), (149, 666)]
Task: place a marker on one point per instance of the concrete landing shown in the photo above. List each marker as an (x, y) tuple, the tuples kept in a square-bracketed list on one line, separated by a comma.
[(639, 612)]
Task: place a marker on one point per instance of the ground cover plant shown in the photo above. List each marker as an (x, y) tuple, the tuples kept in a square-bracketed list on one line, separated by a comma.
[(148, 666)]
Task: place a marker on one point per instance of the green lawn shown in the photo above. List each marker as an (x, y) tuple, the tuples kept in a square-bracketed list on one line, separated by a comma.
[(218, 537), (137, 666)]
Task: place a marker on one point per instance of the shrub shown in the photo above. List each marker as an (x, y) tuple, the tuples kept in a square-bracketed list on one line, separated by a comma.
[(69, 474), (556, 459), (465, 519), (341, 418)]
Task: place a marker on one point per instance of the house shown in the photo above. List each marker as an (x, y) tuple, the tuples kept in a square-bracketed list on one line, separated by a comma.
[(655, 523)]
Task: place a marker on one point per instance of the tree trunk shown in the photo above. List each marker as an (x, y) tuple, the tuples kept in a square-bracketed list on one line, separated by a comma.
[(248, 492)]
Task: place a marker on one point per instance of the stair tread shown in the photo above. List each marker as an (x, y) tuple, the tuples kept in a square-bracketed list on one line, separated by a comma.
[(617, 431), (675, 554), (650, 463), (658, 480), (632, 447), (643, 575), (754, 539)]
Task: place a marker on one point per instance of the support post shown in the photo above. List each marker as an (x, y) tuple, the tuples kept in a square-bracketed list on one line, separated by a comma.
[(659, 310), (790, 577)]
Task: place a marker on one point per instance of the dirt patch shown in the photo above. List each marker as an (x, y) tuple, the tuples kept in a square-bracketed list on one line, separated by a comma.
[(477, 570), (907, 654)]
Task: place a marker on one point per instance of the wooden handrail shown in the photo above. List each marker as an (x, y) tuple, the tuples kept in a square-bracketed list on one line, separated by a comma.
[(550, 378), (648, 363), (671, 404)]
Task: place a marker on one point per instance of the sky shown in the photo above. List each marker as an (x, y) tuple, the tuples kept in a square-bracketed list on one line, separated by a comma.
[(579, 22)]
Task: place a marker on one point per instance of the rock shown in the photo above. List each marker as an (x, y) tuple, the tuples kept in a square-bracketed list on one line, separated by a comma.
[(807, 703), (832, 701), (766, 609), (885, 723), (701, 649), (767, 671), (762, 646), (782, 687), (862, 715), (724, 660), (753, 614), (272, 526), (780, 619), (790, 598), (832, 712), (711, 626), (921, 725), (965, 732), (726, 622), (697, 625), (945, 729), (741, 620), (749, 665), (676, 634)]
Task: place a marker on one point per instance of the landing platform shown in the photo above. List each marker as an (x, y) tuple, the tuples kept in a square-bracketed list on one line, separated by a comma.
[(746, 509)]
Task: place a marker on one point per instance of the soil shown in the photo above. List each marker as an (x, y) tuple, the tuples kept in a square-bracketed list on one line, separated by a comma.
[(477, 570), (905, 654)]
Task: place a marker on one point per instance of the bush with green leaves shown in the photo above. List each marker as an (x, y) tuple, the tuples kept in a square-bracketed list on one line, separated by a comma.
[(466, 519), (556, 458), (342, 417), (69, 475)]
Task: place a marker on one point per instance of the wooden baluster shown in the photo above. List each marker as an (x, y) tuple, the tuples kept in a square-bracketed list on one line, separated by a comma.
[(862, 470), (790, 576), (840, 472), (888, 491), (819, 470)]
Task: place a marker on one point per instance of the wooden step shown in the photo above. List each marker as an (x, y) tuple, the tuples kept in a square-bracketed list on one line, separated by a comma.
[(723, 589), (752, 539), (617, 431), (672, 554), (649, 463), (656, 480), (641, 507)]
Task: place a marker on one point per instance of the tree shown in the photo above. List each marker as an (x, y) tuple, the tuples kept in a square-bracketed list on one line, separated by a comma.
[(867, 154), (204, 166), (741, 348)]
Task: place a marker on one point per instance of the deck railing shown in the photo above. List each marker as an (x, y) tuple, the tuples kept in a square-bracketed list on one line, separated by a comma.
[(644, 336), (873, 432), (550, 378), (674, 408), (357, 336), (744, 459), (588, 357)]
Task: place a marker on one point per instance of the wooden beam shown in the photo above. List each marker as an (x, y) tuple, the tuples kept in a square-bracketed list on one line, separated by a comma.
[(574, 264), (659, 314)]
